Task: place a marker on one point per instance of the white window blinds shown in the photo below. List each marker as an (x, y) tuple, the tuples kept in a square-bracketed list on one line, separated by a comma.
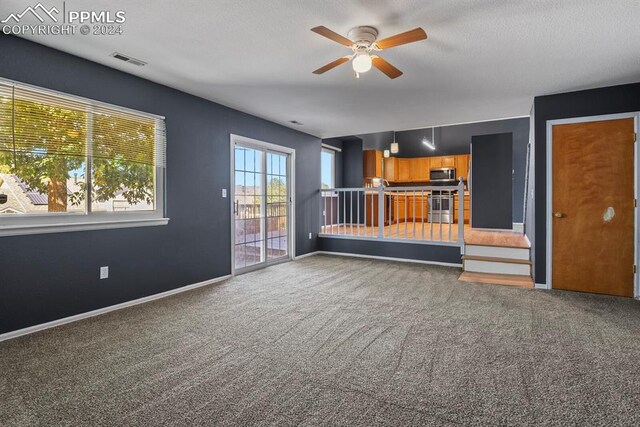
[(39, 121)]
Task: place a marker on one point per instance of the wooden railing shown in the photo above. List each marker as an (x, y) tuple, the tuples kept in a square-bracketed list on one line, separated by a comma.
[(406, 214)]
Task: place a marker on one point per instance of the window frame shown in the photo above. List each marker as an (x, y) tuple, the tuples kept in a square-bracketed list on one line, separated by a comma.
[(329, 150), (41, 223)]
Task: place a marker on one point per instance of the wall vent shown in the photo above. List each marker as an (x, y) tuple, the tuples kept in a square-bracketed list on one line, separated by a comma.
[(128, 59)]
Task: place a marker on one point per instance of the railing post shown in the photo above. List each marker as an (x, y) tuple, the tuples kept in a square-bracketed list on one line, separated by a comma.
[(380, 212), (461, 213)]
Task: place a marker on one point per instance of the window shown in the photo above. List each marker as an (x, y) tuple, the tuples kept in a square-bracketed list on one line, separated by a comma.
[(328, 167), (68, 160)]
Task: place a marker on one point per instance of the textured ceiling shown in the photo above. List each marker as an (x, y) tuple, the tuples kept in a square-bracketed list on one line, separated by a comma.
[(484, 59)]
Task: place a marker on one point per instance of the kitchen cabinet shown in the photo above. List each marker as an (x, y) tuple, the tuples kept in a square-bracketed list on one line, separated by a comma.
[(414, 169), (417, 208), (399, 205), (391, 169), (462, 166), (409, 208), (443, 162), (466, 207), (448, 161), (404, 170), (372, 164), (419, 169)]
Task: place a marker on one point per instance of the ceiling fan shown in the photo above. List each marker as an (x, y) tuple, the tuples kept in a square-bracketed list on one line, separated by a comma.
[(362, 41)]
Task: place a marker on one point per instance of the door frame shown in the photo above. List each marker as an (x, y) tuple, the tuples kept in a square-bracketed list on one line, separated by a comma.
[(549, 214), (266, 146)]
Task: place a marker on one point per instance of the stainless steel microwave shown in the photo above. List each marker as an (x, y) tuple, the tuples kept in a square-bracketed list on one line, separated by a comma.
[(442, 174)]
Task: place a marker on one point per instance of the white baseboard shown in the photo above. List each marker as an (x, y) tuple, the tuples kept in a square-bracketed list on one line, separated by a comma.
[(501, 230), (384, 258), (305, 255), (98, 312), (542, 286), (518, 227)]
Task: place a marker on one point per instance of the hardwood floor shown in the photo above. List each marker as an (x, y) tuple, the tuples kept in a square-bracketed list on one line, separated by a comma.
[(403, 230), (507, 239), (446, 233)]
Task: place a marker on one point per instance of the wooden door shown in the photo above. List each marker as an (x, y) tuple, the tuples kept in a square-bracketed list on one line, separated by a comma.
[(593, 207), (436, 162)]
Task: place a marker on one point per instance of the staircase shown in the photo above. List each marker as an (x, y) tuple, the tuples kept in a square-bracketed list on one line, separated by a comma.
[(497, 257)]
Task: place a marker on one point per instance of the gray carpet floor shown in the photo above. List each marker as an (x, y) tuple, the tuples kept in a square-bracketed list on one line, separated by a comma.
[(335, 341)]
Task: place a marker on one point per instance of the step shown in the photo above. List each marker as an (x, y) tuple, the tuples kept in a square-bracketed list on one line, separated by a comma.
[(493, 265), (497, 252), (506, 239), (497, 279)]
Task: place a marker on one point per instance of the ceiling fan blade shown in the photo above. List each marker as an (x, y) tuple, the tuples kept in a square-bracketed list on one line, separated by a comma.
[(382, 65), (324, 31), (403, 38), (331, 65)]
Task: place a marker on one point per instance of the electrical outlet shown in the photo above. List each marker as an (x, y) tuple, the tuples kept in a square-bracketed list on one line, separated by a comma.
[(310, 235), (224, 193), (104, 273)]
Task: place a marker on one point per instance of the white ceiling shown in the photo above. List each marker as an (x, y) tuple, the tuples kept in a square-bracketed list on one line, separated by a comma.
[(484, 59)]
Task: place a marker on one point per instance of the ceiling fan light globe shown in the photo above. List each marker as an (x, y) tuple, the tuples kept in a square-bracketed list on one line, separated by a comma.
[(361, 63)]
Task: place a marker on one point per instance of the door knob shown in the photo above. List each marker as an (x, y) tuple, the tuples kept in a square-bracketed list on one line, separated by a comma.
[(558, 214)]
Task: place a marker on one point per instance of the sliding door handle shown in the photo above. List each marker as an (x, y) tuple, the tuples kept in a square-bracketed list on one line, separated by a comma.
[(235, 208)]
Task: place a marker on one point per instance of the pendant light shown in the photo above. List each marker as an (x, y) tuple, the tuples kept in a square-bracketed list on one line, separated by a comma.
[(387, 154), (395, 148), (431, 144)]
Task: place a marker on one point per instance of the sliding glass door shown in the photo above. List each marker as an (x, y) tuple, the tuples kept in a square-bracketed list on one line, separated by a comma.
[(261, 209)]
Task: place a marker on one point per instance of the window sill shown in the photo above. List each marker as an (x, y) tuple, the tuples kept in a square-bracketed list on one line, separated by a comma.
[(63, 227)]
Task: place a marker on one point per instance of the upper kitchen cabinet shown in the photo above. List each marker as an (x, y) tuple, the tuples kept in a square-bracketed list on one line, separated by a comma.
[(404, 170), (462, 166), (390, 171), (372, 164), (443, 162), (416, 169), (419, 169)]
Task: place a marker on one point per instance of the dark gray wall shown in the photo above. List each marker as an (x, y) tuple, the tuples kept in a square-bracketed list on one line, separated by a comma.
[(456, 139), (376, 141), (491, 181), (436, 253), (353, 162), (51, 276), (593, 102)]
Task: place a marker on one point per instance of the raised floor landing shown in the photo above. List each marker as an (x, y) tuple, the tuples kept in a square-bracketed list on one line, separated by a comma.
[(507, 239)]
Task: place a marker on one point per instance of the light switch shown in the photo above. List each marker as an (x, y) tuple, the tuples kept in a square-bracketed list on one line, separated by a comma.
[(224, 193)]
